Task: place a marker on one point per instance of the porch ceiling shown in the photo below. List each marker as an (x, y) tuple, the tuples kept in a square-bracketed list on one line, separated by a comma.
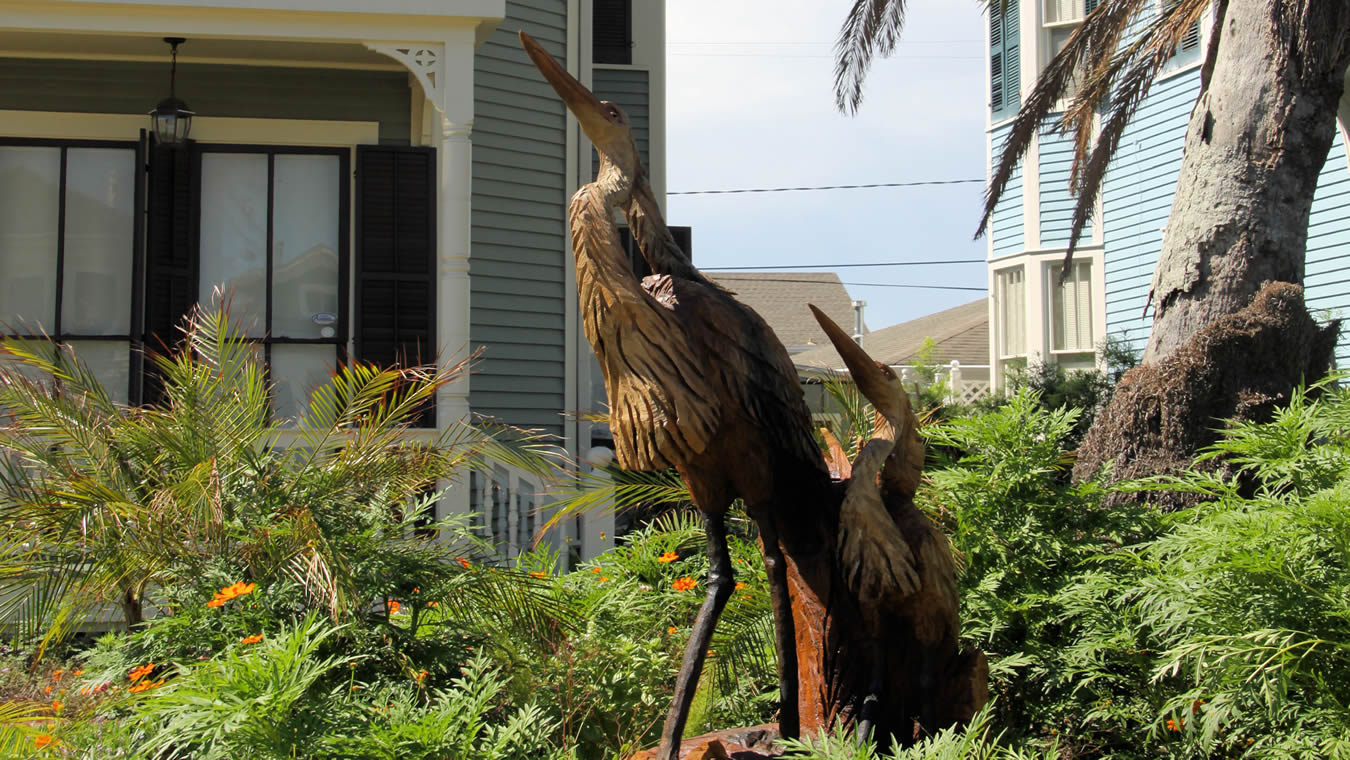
[(21, 44)]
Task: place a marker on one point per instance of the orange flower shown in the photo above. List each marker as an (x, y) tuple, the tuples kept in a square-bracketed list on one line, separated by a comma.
[(739, 585), (254, 639), (217, 601), (595, 569), (684, 584), (141, 672), (144, 685), (1195, 706), (1175, 725), (231, 591), (602, 579), (539, 575), (84, 689), (42, 740), (464, 563), (416, 589), (79, 672), (421, 676), (394, 607), (672, 630), (667, 557), (56, 705), (433, 604), (56, 675), (47, 690)]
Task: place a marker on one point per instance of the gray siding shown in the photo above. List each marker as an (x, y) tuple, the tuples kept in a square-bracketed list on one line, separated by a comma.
[(126, 87), (629, 90), (519, 182)]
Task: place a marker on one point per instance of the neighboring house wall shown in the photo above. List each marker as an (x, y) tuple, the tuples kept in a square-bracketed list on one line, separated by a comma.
[(519, 264)]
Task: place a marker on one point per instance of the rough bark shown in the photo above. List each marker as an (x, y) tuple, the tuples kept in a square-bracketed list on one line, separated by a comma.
[(1255, 146), (1256, 143), (1240, 367)]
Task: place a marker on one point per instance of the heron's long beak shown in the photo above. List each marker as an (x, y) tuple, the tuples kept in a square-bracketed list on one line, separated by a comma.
[(580, 101), (872, 379)]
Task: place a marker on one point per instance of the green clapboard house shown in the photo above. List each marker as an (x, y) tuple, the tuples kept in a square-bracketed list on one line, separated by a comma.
[(378, 181)]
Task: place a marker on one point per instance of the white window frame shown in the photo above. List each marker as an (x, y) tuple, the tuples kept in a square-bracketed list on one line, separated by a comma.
[(1001, 313), (1084, 270)]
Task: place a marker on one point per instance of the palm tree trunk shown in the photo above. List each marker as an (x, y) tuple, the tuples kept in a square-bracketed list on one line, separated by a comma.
[(1255, 146)]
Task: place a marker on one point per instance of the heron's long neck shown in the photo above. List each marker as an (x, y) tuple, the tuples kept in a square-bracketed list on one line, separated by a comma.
[(605, 279), (653, 237)]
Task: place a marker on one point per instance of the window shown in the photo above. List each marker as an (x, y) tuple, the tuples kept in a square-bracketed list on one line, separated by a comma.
[(1004, 60), (612, 32), (1071, 308), (67, 242), (272, 228), (1010, 296), (1061, 19), (267, 224)]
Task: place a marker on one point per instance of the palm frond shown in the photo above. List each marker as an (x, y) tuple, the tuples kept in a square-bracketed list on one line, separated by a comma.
[(1112, 76), (871, 28)]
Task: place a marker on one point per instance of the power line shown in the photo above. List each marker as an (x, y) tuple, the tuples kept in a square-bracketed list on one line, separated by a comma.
[(875, 284), (813, 55), (826, 187), (845, 266)]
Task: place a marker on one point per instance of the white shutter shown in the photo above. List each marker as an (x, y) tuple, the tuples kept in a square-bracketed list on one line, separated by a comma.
[(1012, 313), (1071, 309)]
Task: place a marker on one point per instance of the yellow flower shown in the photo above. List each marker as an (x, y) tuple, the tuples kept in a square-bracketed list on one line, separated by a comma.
[(254, 639), (667, 557), (684, 584)]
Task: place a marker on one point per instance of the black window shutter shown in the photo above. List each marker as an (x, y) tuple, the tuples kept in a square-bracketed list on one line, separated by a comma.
[(396, 257), (170, 252), (612, 31)]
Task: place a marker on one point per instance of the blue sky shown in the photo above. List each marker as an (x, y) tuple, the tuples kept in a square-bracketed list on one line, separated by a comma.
[(750, 104)]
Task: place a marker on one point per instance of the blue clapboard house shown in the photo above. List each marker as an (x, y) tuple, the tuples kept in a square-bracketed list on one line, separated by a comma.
[(1034, 320)]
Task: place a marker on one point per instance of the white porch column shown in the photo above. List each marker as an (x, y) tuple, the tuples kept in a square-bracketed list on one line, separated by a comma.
[(454, 92)]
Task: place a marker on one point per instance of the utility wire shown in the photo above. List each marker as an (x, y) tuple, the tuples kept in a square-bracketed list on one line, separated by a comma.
[(826, 187), (845, 266), (875, 284)]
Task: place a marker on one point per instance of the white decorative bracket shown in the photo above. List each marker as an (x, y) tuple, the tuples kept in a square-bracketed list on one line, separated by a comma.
[(426, 61)]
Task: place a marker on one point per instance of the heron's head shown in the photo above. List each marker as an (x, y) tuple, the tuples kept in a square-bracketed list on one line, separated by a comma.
[(604, 123)]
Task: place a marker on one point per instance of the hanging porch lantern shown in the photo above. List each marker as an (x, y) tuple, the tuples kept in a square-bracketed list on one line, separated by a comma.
[(171, 120)]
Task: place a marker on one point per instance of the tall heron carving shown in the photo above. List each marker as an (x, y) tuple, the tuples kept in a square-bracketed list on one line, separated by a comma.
[(733, 426), (698, 381)]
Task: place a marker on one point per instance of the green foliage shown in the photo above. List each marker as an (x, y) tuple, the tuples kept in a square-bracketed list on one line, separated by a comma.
[(973, 742)]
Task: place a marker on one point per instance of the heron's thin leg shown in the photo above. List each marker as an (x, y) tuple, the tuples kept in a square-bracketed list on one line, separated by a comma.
[(720, 584), (871, 707), (785, 637)]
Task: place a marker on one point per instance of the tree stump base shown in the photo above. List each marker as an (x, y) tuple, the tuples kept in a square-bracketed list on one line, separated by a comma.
[(1241, 366), (754, 743)]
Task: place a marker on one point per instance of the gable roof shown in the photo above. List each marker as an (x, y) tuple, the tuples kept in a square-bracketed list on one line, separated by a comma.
[(961, 333), (781, 299)]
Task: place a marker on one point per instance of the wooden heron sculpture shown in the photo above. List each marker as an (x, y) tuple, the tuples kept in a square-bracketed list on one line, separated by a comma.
[(698, 381)]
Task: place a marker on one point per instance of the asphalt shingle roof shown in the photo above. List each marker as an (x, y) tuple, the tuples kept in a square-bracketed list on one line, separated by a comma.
[(781, 298), (961, 333)]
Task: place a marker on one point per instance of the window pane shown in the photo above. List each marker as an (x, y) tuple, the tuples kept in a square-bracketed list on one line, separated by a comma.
[(1012, 313), (110, 361), (234, 235), (100, 221), (305, 246), (30, 196), (296, 371)]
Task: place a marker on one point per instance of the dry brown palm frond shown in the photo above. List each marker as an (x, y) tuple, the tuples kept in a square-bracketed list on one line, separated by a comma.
[(872, 27), (1111, 76)]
